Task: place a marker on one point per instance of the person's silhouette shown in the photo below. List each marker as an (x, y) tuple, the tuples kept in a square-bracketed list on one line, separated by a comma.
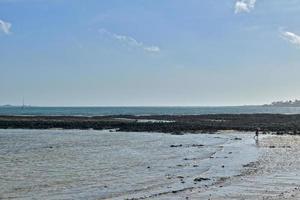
[(256, 134)]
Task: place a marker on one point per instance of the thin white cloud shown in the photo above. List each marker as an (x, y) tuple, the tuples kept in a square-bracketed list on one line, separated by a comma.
[(244, 6), (291, 37), (152, 49), (130, 41), (127, 39), (5, 27)]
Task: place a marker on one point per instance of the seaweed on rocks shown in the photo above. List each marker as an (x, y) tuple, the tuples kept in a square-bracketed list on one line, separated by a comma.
[(178, 124)]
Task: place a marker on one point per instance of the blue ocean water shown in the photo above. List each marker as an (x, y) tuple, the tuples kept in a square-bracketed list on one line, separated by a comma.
[(100, 111)]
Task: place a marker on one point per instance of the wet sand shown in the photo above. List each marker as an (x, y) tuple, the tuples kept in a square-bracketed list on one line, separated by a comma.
[(275, 175)]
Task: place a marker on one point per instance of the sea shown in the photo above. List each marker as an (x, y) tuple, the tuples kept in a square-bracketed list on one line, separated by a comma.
[(103, 111), (90, 164)]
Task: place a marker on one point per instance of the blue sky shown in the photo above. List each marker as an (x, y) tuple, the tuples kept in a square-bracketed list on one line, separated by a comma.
[(139, 52)]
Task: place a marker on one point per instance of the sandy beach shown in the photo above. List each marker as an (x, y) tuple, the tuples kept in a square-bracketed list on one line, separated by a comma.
[(275, 175), (49, 164)]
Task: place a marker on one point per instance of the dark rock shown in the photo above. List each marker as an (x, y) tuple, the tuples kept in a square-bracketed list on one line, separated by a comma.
[(275, 123), (251, 164), (286, 147), (174, 146), (201, 179), (197, 145)]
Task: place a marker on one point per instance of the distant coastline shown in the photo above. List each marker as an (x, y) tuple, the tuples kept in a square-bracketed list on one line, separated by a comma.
[(7, 106), (290, 103)]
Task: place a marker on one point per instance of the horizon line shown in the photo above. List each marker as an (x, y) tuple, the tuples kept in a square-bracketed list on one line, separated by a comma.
[(132, 106)]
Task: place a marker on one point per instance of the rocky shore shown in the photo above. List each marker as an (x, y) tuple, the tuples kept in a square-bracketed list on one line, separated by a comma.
[(176, 124)]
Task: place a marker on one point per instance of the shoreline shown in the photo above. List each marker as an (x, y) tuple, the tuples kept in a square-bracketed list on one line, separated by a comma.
[(160, 166), (175, 124)]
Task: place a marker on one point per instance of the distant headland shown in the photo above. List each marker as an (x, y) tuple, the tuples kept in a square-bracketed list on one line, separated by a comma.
[(290, 103), (7, 105)]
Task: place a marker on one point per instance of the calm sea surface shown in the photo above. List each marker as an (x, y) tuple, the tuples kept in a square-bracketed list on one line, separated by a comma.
[(74, 164), (96, 111)]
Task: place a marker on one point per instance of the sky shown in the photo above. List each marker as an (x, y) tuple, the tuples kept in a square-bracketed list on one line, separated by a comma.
[(149, 53)]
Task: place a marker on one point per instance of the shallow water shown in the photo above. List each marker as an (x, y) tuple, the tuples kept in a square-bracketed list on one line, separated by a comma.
[(73, 164)]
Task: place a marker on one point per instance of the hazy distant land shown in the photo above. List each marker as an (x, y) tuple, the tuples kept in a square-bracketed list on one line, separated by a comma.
[(290, 103)]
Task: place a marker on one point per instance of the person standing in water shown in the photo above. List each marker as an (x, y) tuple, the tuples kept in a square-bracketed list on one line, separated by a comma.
[(256, 134)]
